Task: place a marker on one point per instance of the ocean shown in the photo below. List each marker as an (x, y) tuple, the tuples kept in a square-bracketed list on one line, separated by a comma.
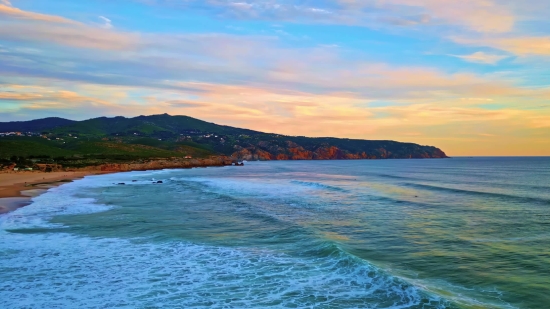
[(437, 233)]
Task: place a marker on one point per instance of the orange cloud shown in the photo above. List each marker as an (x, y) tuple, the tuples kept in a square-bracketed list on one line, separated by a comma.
[(60, 30), (522, 46), (8, 11), (80, 36), (19, 96), (481, 57), (459, 127), (39, 97)]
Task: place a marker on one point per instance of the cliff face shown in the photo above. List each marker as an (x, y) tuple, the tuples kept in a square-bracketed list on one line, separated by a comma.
[(265, 151)]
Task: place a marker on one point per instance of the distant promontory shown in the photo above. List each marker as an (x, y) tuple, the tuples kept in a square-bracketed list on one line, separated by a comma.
[(120, 139)]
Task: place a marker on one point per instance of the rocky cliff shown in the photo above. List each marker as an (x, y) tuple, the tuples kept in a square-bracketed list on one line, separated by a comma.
[(292, 151)]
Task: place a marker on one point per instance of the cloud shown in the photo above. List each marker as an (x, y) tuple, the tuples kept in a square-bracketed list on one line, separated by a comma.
[(35, 101), (476, 15), (26, 26), (59, 98), (106, 38), (106, 22), (14, 96), (7, 11), (541, 121), (229, 58), (6, 2), (80, 36), (481, 57), (288, 112), (186, 103), (521, 45), (171, 61), (477, 99)]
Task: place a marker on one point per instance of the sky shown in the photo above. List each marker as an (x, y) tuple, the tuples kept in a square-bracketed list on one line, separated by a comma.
[(471, 77)]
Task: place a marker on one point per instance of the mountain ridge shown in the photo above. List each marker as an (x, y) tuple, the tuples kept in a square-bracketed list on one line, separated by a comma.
[(168, 132), (34, 125)]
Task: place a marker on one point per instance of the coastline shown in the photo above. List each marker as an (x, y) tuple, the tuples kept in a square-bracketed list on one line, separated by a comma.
[(18, 188)]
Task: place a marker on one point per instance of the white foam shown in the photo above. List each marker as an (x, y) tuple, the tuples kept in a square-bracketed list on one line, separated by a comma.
[(64, 271), (462, 295), (59, 270), (62, 200), (266, 188)]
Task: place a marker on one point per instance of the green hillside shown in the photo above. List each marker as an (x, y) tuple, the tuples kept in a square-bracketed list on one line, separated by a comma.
[(156, 125), (168, 136), (28, 148), (85, 153)]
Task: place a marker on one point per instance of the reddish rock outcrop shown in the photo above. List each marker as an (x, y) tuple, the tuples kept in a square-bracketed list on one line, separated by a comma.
[(264, 155), (265, 150), (329, 153), (282, 156), (253, 154), (299, 153)]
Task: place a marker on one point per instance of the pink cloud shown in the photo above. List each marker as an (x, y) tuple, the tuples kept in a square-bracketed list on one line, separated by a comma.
[(8, 11), (481, 57), (519, 45)]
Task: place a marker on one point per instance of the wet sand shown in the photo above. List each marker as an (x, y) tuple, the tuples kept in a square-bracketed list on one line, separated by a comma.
[(17, 188)]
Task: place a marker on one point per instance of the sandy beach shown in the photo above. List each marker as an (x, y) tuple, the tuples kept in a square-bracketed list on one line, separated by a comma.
[(17, 188)]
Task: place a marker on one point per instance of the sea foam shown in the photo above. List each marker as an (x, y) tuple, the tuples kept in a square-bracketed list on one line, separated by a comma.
[(60, 270)]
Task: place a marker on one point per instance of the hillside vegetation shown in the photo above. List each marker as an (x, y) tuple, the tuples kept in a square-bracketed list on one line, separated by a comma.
[(165, 136)]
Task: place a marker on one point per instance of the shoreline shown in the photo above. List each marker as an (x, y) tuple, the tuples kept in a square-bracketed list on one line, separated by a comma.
[(17, 189)]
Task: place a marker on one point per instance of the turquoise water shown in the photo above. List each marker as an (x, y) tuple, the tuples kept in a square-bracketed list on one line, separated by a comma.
[(454, 233)]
